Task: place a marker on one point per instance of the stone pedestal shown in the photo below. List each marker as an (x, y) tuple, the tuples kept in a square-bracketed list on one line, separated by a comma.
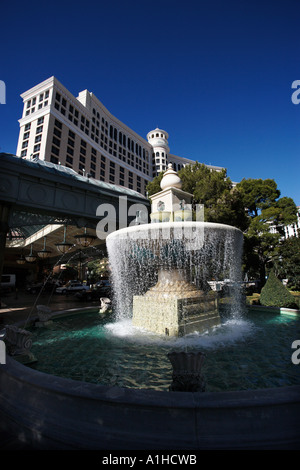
[(174, 307)]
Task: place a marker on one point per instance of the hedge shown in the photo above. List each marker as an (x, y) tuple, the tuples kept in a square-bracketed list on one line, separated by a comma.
[(275, 294)]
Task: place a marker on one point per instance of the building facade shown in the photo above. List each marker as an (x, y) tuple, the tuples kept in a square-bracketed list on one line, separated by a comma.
[(80, 133)]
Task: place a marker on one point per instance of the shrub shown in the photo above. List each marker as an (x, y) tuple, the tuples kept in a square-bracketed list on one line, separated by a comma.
[(275, 294)]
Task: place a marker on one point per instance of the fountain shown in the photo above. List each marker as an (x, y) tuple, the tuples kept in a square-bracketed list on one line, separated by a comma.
[(165, 276), (161, 271)]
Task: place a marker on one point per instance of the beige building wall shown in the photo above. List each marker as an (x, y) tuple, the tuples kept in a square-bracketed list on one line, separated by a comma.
[(80, 133)]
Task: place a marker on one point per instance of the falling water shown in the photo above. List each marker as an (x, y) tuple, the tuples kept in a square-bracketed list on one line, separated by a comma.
[(203, 251)]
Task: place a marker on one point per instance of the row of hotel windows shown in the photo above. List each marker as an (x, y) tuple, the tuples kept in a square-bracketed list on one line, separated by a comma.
[(83, 160), (37, 139), (105, 134), (71, 144), (37, 103), (112, 176)]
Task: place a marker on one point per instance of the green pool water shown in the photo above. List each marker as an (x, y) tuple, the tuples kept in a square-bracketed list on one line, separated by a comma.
[(242, 354)]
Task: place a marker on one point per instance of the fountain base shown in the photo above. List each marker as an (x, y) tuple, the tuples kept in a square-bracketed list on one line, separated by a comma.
[(174, 307)]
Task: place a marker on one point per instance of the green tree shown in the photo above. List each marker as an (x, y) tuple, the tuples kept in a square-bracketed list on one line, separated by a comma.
[(287, 261), (267, 216), (275, 294), (258, 194)]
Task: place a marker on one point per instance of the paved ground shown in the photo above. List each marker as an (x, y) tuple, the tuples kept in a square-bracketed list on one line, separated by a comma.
[(20, 306)]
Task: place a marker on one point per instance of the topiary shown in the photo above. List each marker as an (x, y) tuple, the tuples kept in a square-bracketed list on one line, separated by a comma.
[(275, 294)]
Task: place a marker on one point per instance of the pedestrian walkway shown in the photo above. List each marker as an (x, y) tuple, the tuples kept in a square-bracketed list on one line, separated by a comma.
[(19, 306)]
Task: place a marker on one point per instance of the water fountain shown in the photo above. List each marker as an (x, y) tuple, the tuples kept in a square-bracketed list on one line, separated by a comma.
[(166, 276), (161, 271)]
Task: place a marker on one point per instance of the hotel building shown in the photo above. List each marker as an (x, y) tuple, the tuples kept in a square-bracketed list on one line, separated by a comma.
[(80, 133)]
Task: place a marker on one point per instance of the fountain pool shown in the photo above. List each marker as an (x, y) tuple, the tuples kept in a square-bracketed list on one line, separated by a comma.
[(246, 353)]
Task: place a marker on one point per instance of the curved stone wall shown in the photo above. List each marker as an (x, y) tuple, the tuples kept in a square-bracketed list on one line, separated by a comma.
[(47, 412)]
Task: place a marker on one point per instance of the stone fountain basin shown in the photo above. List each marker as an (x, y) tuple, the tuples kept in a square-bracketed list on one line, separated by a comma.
[(48, 412)]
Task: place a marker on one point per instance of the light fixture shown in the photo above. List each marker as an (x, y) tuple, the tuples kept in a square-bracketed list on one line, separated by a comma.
[(31, 257), (63, 247), (85, 239), (21, 259), (43, 253)]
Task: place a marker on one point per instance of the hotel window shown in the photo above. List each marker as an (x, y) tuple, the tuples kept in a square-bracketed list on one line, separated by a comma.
[(57, 97), (71, 142), (70, 150), (82, 159), (25, 144), (93, 166), (40, 120), (54, 159), (26, 135), (72, 134), (55, 141), (93, 159), (28, 104), (58, 124), (69, 159), (37, 147), (55, 150), (57, 132), (38, 139), (23, 153), (47, 94), (83, 151), (27, 126), (39, 130)]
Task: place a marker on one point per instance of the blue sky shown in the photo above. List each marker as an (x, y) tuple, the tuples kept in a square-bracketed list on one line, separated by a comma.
[(216, 75)]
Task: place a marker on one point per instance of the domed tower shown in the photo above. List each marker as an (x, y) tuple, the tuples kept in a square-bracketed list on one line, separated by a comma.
[(159, 141)]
